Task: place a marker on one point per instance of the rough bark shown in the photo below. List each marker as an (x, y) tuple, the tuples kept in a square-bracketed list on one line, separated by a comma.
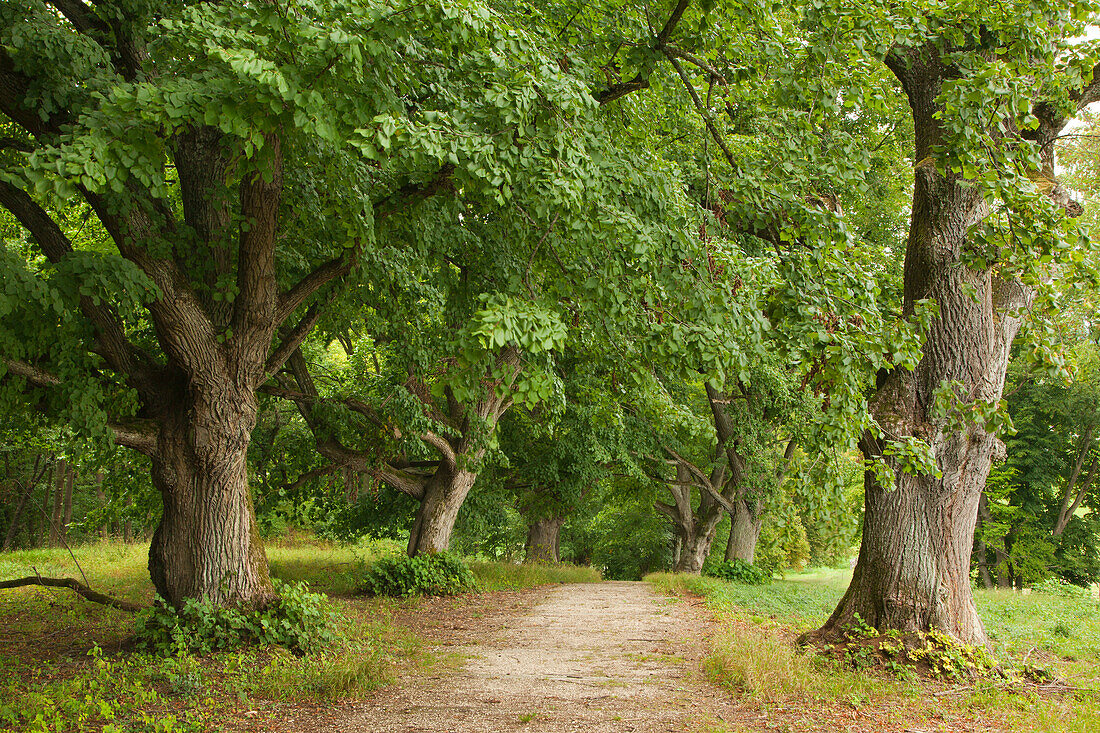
[(542, 540), (913, 571), (207, 545), (694, 528), (745, 523), (435, 519)]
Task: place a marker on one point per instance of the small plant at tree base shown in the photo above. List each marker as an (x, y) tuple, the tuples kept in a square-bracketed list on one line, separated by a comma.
[(440, 574), (737, 571), (298, 620)]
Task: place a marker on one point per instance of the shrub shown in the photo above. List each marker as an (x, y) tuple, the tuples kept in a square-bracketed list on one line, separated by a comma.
[(441, 574), (298, 620), (737, 571), (1056, 586)]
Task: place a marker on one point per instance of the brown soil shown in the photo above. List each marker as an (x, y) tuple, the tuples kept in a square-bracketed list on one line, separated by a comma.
[(612, 656)]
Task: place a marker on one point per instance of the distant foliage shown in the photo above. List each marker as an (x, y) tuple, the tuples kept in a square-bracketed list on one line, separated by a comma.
[(299, 620), (737, 571), (441, 574), (1056, 586)]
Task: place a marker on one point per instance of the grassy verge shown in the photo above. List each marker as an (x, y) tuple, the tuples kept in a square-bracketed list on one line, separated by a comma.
[(753, 654), (66, 665), (509, 576)]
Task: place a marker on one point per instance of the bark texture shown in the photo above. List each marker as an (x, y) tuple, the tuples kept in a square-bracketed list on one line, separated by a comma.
[(542, 540), (913, 571), (207, 544), (746, 522), (694, 528)]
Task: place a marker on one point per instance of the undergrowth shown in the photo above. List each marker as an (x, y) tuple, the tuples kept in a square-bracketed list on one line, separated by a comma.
[(736, 571), (435, 574), (920, 682), (298, 620), (510, 576)]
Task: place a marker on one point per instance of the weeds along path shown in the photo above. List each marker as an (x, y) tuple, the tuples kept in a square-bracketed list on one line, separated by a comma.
[(613, 656)]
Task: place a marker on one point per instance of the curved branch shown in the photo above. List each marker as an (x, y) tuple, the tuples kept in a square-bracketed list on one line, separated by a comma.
[(641, 80), (111, 341), (77, 586)]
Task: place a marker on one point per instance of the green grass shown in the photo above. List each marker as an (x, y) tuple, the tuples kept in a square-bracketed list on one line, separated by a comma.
[(48, 681), (509, 576), (753, 654)]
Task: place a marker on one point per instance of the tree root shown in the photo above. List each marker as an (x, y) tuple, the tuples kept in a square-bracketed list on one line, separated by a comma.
[(77, 586)]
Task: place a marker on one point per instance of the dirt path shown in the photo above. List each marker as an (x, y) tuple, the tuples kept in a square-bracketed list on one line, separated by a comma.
[(611, 656)]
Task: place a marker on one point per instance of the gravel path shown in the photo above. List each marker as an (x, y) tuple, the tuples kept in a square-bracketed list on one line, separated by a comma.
[(613, 656)]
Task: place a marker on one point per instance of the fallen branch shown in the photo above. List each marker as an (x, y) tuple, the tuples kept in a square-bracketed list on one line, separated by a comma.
[(75, 585)]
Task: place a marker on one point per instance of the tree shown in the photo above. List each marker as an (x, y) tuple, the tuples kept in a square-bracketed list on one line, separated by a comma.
[(233, 162), (974, 119)]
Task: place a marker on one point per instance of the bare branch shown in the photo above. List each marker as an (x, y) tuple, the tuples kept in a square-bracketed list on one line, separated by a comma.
[(292, 340), (33, 375), (334, 269), (75, 585), (136, 434)]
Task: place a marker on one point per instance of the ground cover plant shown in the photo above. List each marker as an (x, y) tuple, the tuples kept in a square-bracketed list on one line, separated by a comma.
[(755, 654)]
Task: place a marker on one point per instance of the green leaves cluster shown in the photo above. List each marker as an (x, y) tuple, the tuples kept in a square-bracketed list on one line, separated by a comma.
[(298, 620), (438, 574)]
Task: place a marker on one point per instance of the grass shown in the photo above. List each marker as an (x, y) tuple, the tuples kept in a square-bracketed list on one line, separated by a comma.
[(493, 576), (65, 664), (753, 654)]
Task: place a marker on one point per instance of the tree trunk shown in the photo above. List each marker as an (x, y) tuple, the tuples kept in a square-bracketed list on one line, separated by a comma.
[(207, 546), (438, 510), (694, 528), (698, 538), (542, 540), (67, 512), (913, 571), (981, 552), (745, 525), (61, 474), (102, 498), (28, 489)]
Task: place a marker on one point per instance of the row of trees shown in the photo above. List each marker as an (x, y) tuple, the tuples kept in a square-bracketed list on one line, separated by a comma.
[(512, 248)]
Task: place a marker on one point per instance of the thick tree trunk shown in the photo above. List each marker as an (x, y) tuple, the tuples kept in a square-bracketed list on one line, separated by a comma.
[(207, 546), (697, 541), (435, 517), (745, 524), (913, 571), (542, 540)]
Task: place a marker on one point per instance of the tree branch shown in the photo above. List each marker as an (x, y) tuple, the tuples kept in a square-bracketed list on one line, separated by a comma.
[(75, 585), (334, 269), (412, 193), (111, 341), (255, 306), (292, 340), (641, 80)]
